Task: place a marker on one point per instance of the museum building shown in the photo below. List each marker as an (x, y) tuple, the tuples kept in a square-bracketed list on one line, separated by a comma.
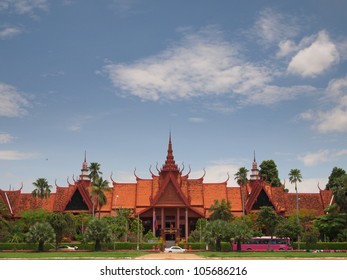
[(170, 202)]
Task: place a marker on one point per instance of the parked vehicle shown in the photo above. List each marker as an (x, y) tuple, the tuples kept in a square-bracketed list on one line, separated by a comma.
[(265, 243), (67, 248), (174, 249)]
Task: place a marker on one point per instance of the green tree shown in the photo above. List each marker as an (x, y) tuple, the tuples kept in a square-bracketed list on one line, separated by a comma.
[(94, 175), (288, 227), (295, 177), (98, 231), (241, 231), (221, 210), (40, 233), (336, 173), (30, 217), (199, 233), (241, 179), (95, 172), (63, 224), (311, 237), (216, 232), (269, 173), (98, 189), (137, 228), (122, 222), (340, 193), (42, 189), (268, 220), (331, 224)]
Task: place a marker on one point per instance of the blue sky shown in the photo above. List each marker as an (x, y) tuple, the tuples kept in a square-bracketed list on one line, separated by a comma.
[(226, 77)]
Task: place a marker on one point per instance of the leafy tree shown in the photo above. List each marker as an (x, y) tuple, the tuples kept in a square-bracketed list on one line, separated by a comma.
[(288, 227), (42, 189), (122, 222), (331, 224), (340, 192), (63, 224), (99, 188), (40, 233), (241, 232), (336, 173), (268, 220), (199, 233), (311, 237), (221, 210), (80, 221), (98, 231), (137, 228), (216, 232), (30, 217), (268, 172), (241, 179)]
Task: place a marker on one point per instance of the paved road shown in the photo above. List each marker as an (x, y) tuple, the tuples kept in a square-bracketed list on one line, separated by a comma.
[(170, 256)]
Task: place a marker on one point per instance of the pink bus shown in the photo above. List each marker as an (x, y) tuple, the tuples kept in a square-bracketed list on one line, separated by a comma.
[(265, 243)]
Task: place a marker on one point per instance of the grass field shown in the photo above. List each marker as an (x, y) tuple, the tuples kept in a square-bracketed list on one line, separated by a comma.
[(72, 255), (274, 255), (134, 254)]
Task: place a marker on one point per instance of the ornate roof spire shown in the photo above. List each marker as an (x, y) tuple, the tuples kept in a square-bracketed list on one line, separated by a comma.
[(85, 170), (254, 170), (170, 164)]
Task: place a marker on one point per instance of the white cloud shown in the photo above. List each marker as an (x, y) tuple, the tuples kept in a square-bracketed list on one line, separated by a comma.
[(271, 27), (218, 172), (12, 102), (333, 119), (24, 6), (196, 120), (9, 32), (15, 155), (5, 138), (315, 158), (201, 64), (308, 185), (316, 58)]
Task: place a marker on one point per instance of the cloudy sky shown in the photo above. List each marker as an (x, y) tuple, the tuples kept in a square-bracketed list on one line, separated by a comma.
[(227, 78)]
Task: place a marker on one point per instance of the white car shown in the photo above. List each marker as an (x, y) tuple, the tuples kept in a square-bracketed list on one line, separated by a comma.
[(66, 248), (174, 249)]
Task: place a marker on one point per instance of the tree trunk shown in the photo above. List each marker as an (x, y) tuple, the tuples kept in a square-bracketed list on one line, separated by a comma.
[(41, 246), (218, 245), (97, 245)]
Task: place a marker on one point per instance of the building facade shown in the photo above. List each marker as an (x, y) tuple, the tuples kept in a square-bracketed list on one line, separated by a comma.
[(170, 202)]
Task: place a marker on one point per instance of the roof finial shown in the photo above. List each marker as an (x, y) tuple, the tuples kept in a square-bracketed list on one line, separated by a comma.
[(170, 164)]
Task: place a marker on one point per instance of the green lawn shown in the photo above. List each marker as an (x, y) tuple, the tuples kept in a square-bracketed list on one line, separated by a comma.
[(280, 255), (72, 255)]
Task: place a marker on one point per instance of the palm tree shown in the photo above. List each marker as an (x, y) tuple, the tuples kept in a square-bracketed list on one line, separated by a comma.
[(241, 177), (94, 170), (98, 188), (294, 177), (42, 190), (94, 174), (221, 210)]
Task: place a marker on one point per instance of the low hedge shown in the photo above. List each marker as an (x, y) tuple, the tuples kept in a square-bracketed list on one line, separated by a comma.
[(321, 246), (81, 246)]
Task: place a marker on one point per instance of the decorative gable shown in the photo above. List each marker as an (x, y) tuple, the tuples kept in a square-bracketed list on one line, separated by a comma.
[(262, 200), (77, 202), (170, 196)]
